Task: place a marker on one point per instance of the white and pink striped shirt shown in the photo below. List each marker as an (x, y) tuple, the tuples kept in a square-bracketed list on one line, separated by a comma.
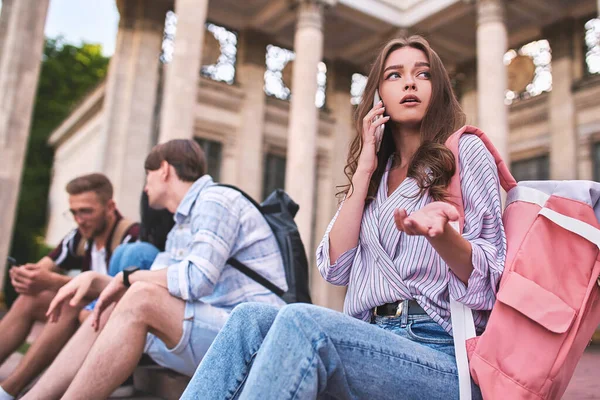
[(388, 265)]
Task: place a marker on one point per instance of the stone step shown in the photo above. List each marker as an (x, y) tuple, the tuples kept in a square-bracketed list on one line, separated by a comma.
[(584, 384), (160, 381), (137, 396)]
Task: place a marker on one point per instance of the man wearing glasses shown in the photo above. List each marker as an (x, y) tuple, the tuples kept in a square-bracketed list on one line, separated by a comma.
[(100, 228)]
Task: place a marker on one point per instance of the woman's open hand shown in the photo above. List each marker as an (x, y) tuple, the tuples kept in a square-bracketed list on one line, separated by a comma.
[(430, 221)]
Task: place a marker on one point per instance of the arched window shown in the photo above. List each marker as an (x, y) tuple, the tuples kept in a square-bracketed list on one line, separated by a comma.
[(531, 71), (219, 51), (278, 75), (357, 88)]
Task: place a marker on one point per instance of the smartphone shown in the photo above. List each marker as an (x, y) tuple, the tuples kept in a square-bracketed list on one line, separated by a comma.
[(379, 131), (11, 261)]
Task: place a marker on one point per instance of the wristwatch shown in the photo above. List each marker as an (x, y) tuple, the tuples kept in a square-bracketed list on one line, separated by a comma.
[(126, 272)]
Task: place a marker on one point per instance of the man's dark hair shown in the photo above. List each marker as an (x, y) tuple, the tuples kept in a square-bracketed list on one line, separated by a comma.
[(97, 183), (185, 155)]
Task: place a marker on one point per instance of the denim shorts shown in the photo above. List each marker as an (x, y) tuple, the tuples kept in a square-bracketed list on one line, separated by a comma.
[(201, 323)]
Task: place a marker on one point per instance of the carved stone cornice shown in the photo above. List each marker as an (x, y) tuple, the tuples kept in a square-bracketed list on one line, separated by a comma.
[(136, 14), (490, 11), (310, 14)]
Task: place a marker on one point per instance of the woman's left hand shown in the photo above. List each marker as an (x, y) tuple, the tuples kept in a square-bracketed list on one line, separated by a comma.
[(430, 221)]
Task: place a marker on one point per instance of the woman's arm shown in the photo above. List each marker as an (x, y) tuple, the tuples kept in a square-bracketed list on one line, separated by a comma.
[(346, 228)]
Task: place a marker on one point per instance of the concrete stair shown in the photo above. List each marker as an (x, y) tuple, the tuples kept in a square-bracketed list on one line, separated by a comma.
[(161, 382)]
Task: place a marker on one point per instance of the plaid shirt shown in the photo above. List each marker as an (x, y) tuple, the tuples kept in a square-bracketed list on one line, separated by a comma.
[(213, 223)]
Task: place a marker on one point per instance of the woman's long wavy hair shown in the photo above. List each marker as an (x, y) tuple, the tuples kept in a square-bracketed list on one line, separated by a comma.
[(433, 163)]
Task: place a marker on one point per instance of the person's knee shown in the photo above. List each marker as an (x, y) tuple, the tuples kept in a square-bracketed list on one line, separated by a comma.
[(32, 305), (297, 310), (24, 304), (247, 310), (140, 299), (253, 311), (300, 315)]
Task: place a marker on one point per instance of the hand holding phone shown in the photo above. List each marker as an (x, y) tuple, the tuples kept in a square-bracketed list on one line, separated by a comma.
[(11, 261), (379, 130)]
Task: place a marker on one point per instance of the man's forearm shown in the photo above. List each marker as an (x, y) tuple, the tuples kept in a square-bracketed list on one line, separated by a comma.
[(58, 280), (46, 262)]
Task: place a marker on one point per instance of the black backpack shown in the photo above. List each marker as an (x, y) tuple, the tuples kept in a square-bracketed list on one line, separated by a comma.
[(279, 210)]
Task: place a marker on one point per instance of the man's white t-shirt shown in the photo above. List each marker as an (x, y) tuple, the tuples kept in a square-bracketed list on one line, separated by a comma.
[(98, 261)]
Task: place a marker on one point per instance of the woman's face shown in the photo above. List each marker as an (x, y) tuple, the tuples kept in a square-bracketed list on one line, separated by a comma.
[(405, 87)]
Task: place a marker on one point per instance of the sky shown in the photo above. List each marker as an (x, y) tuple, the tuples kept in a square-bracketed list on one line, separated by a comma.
[(92, 21)]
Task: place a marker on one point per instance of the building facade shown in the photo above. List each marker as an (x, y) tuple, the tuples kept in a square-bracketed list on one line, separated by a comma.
[(269, 87)]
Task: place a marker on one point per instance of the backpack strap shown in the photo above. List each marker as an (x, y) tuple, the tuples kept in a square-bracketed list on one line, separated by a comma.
[(463, 324), (240, 266), (255, 276), (246, 195), (463, 329), (506, 179), (119, 233), (80, 250)]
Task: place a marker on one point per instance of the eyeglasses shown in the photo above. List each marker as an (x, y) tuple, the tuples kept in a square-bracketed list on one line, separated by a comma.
[(83, 213)]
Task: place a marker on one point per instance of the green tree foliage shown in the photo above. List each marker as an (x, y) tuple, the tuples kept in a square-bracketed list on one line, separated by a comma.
[(68, 73)]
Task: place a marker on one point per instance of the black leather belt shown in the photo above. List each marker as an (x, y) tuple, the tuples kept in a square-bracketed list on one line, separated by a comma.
[(397, 308)]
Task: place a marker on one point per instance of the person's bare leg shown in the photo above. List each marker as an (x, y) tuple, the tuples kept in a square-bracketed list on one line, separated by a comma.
[(17, 323), (55, 381), (144, 308), (43, 350)]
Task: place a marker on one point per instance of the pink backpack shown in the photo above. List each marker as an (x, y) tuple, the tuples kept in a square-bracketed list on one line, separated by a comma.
[(547, 306)]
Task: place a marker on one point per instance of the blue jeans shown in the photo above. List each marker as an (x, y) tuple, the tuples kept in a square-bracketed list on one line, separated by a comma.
[(308, 352), (138, 254)]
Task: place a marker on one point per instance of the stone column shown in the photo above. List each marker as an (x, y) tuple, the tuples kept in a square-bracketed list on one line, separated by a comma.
[(130, 99), (340, 81), (183, 72), (229, 162), (303, 121), (491, 73), (21, 44), (561, 104), (330, 174), (250, 74), (468, 88), (585, 160)]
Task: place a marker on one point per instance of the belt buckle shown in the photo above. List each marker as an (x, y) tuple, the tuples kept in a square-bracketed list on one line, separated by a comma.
[(399, 309)]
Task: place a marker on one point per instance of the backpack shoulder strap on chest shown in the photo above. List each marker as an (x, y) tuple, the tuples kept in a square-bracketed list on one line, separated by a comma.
[(120, 231)]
